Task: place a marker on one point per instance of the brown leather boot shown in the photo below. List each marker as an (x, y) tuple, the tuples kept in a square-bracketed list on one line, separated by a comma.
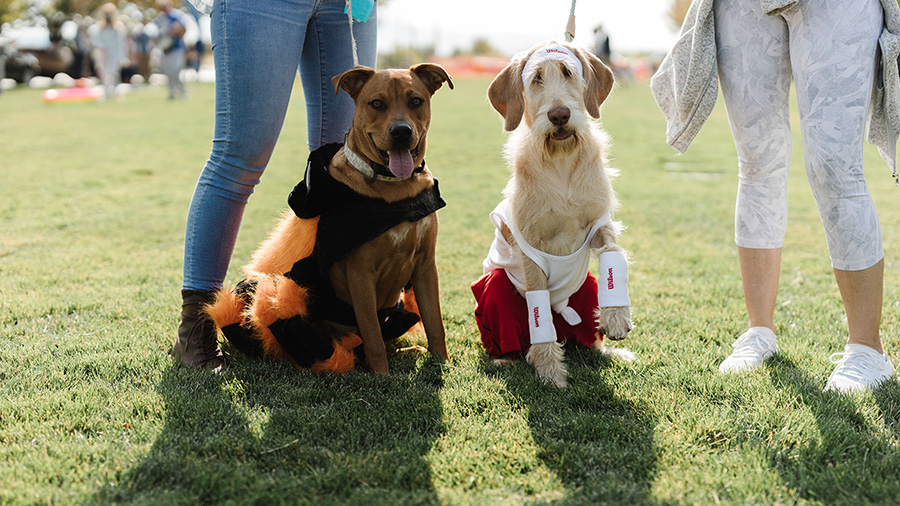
[(197, 344)]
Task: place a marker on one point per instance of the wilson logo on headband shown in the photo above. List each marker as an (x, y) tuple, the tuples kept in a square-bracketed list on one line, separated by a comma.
[(550, 53)]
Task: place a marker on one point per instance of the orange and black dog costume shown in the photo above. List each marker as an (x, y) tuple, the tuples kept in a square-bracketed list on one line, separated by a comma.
[(280, 314)]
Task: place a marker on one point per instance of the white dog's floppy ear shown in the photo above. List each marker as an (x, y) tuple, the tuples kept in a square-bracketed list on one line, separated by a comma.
[(599, 81), (432, 75), (352, 80), (506, 94)]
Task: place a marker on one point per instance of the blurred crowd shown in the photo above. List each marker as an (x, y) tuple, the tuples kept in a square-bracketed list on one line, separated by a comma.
[(113, 45)]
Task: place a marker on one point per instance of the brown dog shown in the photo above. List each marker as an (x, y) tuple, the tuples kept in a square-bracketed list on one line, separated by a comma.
[(305, 272)]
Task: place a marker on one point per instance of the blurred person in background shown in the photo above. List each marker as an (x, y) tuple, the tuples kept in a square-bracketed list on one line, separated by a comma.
[(141, 44), (173, 24), (601, 44), (110, 48)]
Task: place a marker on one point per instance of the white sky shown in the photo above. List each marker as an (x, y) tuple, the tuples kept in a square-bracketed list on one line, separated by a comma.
[(514, 25)]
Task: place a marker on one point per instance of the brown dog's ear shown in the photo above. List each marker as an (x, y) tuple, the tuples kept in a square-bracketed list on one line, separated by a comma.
[(432, 75), (507, 94), (599, 80), (352, 80)]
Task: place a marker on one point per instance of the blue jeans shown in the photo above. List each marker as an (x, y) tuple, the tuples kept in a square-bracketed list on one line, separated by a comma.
[(257, 48)]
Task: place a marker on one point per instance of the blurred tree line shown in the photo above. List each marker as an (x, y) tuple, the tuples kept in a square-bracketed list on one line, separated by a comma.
[(677, 11), (14, 9), (403, 57), (89, 6), (11, 9)]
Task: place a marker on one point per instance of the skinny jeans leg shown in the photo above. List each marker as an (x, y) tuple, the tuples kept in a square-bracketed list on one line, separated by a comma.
[(257, 48)]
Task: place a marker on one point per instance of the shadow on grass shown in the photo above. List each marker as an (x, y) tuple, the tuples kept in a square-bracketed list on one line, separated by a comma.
[(888, 399), (851, 462), (265, 433), (599, 445)]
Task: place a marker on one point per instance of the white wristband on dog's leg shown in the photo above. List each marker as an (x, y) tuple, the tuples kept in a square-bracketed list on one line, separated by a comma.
[(540, 317), (613, 289)]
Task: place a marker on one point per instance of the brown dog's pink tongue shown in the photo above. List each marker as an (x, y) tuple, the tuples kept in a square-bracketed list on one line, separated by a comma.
[(400, 163)]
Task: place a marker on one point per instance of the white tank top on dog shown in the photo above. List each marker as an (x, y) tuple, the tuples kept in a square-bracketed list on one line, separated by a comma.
[(565, 274)]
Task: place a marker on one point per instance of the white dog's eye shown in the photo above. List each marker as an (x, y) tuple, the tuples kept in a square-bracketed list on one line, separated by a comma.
[(565, 71), (538, 78)]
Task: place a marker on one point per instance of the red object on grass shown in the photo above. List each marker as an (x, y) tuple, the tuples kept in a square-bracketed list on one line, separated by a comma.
[(76, 94), (502, 315)]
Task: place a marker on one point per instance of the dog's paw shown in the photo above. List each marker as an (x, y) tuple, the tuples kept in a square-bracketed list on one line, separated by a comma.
[(614, 352), (615, 322), (416, 348), (547, 360)]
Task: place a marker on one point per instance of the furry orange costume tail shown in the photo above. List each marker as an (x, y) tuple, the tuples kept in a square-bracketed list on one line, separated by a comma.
[(268, 305), (268, 314)]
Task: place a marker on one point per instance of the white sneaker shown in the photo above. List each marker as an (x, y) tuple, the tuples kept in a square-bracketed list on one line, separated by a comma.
[(750, 350), (858, 368)]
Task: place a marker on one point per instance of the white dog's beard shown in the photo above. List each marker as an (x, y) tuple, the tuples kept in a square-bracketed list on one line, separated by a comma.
[(553, 146)]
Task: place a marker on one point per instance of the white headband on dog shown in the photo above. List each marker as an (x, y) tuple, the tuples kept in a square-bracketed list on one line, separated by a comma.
[(550, 53)]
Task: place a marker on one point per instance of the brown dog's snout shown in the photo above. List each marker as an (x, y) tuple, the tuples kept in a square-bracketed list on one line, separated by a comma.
[(400, 133), (559, 116)]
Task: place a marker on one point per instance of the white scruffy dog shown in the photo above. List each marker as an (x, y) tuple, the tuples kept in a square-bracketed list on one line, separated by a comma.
[(560, 196)]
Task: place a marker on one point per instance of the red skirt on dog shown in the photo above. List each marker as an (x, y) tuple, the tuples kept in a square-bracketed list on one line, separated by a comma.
[(502, 315)]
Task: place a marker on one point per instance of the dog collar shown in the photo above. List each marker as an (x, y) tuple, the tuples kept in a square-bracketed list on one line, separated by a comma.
[(550, 53), (375, 170)]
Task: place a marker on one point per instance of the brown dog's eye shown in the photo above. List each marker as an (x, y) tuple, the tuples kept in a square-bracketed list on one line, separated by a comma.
[(376, 104), (415, 102)]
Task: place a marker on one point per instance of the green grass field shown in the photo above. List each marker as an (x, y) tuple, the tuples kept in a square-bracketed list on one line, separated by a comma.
[(93, 410)]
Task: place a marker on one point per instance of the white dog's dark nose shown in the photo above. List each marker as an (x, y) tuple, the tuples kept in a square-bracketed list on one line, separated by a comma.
[(559, 116)]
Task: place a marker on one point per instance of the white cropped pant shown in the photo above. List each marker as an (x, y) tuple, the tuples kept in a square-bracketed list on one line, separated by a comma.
[(828, 47)]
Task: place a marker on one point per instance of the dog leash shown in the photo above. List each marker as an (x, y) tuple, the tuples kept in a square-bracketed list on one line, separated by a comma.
[(359, 10), (349, 9), (570, 25)]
